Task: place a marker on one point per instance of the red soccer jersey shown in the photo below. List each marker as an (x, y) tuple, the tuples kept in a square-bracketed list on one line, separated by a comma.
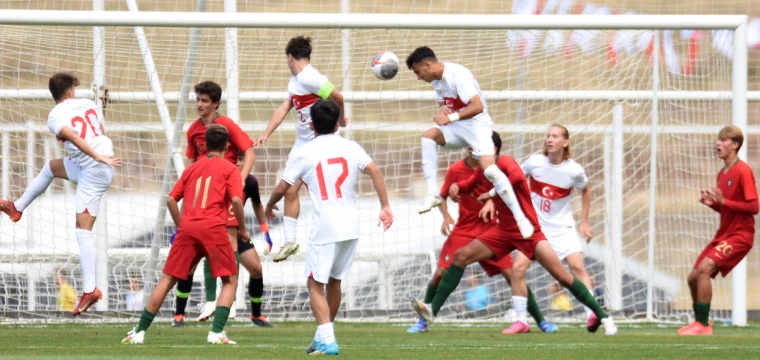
[(468, 224), (207, 187), (516, 177), (736, 185), (196, 139)]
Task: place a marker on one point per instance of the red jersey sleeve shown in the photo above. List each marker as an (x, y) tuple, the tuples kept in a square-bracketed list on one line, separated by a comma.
[(238, 137), (191, 152), (748, 184), (234, 184), (179, 188), (469, 184)]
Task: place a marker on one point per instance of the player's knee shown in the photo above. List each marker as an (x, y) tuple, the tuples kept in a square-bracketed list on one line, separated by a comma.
[(255, 270), (463, 257), (706, 268), (578, 270)]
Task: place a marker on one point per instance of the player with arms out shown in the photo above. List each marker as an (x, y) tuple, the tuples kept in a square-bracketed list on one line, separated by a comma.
[(553, 175), (501, 240), (208, 186), (208, 96), (90, 165), (462, 121), (467, 228), (329, 166), (306, 86), (735, 198)]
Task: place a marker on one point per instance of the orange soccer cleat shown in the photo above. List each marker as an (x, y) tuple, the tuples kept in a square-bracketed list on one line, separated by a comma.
[(9, 209), (696, 328), (87, 300)]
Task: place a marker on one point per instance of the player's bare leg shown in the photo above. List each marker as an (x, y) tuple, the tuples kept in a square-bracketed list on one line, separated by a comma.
[(333, 297), (700, 284), (137, 335), (88, 262), (251, 262), (290, 222), (506, 192), (324, 339), (523, 300), (217, 335), (431, 139), (578, 270), (51, 170)]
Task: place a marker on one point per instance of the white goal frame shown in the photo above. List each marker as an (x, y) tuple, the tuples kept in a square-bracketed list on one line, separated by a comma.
[(232, 20)]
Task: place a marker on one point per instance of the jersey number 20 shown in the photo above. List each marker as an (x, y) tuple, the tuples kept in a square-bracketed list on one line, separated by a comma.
[(80, 120), (338, 182)]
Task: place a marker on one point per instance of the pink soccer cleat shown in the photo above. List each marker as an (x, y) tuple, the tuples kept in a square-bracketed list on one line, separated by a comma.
[(518, 327), (686, 328), (593, 323), (697, 329), (87, 300)]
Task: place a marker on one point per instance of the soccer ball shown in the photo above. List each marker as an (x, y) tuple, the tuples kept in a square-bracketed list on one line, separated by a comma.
[(385, 65)]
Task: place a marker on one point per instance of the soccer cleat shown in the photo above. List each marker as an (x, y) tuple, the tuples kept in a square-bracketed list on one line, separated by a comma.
[(134, 338), (420, 327), (428, 203), (326, 349), (312, 347), (9, 209), (683, 329), (285, 251), (209, 308), (593, 323), (525, 227), (548, 327), (518, 327), (219, 338), (609, 326), (87, 300), (425, 311), (233, 311), (178, 321), (260, 321), (697, 329)]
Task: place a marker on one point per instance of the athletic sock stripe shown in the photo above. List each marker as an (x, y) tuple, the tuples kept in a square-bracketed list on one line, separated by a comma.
[(183, 295), (257, 300)]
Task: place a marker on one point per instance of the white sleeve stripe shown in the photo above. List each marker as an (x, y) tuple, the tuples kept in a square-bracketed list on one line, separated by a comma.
[(365, 164)]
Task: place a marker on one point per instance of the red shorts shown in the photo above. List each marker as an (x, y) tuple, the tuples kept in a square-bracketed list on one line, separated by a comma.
[(503, 242), (183, 258), (457, 241), (726, 252)]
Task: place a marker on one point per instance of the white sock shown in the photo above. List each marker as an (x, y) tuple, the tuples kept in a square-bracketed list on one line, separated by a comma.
[(35, 188), (290, 225), (86, 241), (520, 304), (326, 333), (430, 165), (504, 189), (589, 312)]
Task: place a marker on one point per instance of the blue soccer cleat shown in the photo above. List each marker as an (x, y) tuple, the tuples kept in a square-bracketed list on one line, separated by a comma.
[(312, 347), (548, 327), (420, 327), (326, 349)]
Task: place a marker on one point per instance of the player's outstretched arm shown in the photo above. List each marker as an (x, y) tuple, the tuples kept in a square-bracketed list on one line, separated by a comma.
[(585, 208), (464, 185), (337, 98), (248, 160), (277, 117), (448, 221), (386, 215), (171, 204), (67, 134), (277, 194)]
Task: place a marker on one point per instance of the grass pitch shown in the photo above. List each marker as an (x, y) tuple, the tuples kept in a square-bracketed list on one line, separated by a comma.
[(375, 341)]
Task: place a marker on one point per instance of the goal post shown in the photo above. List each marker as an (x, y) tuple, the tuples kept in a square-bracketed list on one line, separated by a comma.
[(620, 121)]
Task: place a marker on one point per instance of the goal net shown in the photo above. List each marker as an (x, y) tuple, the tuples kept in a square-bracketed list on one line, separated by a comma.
[(601, 84)]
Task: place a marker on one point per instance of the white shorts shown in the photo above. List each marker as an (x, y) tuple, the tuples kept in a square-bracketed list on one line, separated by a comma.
[(469, 133), (331, 260), (92, 183), (564, 241)]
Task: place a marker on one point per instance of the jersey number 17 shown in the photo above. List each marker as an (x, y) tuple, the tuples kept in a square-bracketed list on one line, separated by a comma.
[(338, 182)]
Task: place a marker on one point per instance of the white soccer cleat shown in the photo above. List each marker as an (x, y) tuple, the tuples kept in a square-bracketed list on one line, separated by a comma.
[(134, 338), (428, 203), (525, 227), (285, 251), (609, 326), (209, 308), (425, 311), (219, 338), (233, 312)]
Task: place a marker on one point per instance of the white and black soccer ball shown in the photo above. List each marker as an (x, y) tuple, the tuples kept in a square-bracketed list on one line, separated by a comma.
[(385, 65)]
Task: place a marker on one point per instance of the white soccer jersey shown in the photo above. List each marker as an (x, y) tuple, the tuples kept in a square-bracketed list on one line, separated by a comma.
[(82, 118), (551, 188), (330, 166), (304, 90), (457, 86)]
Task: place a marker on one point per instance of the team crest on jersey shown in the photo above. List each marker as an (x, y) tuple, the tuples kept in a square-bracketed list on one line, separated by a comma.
[(730, 182), (446, 259), (201, 146)]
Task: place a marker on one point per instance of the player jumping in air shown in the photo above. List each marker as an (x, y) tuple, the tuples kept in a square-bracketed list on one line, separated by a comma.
[(329, 165), (249, 259), (208, 186), (467, 228), (306, 86), (462, 121), (501, 240), (90, 165), (208, 95), (735, 198), (553, 175)]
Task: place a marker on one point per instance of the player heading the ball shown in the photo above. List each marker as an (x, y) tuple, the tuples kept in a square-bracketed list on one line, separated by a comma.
[(330, 166), (462, 121), (90, 165)]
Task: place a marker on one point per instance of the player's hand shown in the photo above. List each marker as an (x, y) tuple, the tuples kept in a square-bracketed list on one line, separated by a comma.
[(260, 141), (441, 119), (447, 226), (445, 110), (717, 195), (454, 192), (243, 233), (269, 212), (487, 212), (110, 161), (586, 232), (706, 198), (484, 197), (386, 218)]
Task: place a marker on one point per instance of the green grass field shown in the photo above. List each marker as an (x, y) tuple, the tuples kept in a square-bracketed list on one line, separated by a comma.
[(375, 341)]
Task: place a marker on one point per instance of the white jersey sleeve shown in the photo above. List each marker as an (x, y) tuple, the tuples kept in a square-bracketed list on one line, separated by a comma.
[(528, 165), (580, 179), (81, 116)]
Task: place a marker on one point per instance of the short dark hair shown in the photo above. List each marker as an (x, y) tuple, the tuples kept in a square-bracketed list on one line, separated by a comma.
[(419, 55), (60, 83), (210, 88), (496, 141), (216, 137), (324, 116), (299, 47)]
